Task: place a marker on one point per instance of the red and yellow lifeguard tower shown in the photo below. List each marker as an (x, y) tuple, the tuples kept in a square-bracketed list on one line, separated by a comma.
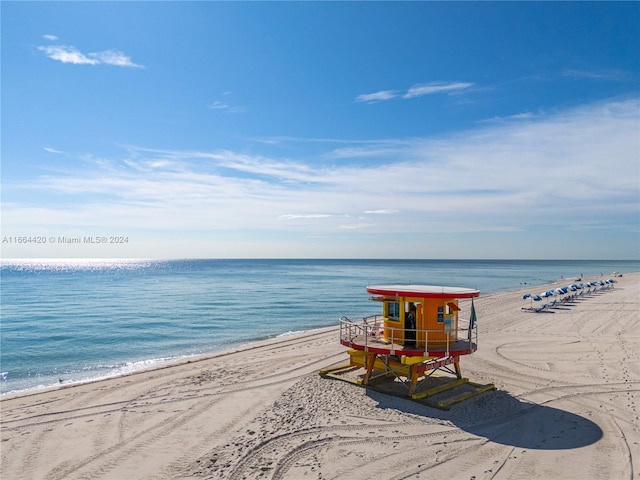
[(418, 333)]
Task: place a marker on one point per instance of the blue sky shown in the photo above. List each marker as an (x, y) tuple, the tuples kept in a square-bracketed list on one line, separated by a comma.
[(325, 130)]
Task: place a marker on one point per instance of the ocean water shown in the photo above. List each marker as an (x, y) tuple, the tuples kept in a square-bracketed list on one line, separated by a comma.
[(76, 320)]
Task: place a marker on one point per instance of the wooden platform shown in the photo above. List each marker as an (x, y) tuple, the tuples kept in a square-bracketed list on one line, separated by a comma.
[(377, 344)]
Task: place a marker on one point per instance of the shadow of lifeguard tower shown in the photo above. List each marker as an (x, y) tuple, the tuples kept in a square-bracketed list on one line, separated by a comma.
[(416, 335)]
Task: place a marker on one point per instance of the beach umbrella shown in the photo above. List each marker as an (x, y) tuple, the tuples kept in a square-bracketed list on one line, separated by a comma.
[(526, 295), (547, 294), (559, 291)]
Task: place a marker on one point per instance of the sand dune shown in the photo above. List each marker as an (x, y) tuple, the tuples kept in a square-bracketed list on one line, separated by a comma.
[(566, 407)]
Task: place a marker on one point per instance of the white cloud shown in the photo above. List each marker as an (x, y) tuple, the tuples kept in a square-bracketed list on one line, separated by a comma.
[(415, 91), (612, 75), (311, 215), (113, 57), (577, 168), (68, 54), (384, 211), (52, 38), (432, 88), (377, 96), (227, 107), (355, 226), (51, 150), (363, 151), (218, 106)]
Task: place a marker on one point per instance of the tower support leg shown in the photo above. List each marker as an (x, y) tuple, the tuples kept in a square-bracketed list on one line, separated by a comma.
[(456, 365), (413, 378), (371, 361)]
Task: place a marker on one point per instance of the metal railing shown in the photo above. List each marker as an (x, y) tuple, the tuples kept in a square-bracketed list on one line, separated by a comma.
[(370, 331)]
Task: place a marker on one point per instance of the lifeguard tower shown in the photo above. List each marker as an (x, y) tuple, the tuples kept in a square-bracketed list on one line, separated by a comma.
[(417, 334)]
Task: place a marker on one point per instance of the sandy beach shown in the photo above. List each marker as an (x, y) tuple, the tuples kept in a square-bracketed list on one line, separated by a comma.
[(566, 406)]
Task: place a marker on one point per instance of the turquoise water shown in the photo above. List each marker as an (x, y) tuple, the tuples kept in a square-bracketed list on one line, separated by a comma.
[(77, 320)]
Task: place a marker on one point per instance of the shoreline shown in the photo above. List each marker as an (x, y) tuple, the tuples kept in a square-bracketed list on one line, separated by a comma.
[(566, 407), (168, 361), (161, 364)]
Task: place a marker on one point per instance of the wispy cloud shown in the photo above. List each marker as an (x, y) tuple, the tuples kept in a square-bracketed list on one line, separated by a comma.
[(365, 151), (51, 150), (218, 106), (610, 75), (354, 226), (572, 168), (113, 57), (290, 216), (377, 96), (383, 211), (69, 54), (415, 91), (433, 88), (227, 108), (52, 38)]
